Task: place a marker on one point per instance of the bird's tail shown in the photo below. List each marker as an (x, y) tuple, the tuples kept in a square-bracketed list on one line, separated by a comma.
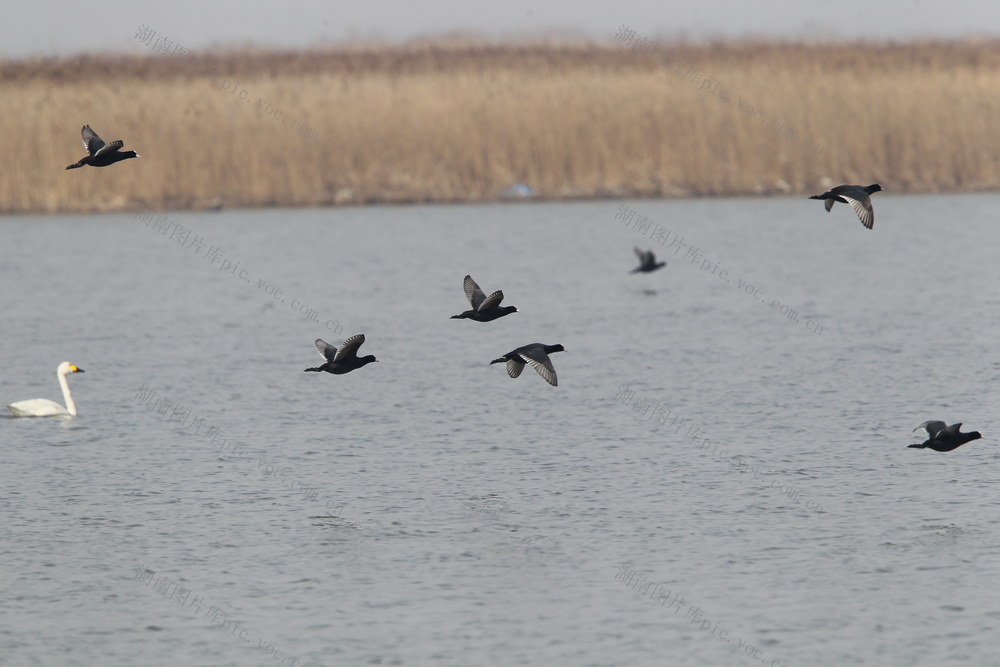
[(457, 317), (317, 370), (817, 197), (501, 360), (76, 165), (918, 446)]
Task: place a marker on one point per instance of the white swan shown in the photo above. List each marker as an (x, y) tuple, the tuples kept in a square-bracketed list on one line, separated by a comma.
[(43, 407)]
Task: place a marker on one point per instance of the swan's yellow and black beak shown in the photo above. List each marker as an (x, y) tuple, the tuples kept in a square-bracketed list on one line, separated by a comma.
[(75, 369)]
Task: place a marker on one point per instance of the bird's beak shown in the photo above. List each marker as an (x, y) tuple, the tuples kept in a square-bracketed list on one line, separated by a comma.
[(77, 370)]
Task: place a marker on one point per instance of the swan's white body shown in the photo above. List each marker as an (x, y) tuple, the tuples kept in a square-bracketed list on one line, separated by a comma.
[(43, 407)]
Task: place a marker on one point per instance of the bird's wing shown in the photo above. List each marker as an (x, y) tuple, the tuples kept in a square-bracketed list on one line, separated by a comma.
[(492, 301), (473, 293), (652, 256), (514, 367), (645, 256), (863, 207), (110, 148), (349, 348), (541, 363), (91, 141), (326, 350), (932, 427), (829, 204)]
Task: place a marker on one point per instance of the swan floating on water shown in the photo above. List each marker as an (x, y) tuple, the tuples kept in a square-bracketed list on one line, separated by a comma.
[(43, 407)]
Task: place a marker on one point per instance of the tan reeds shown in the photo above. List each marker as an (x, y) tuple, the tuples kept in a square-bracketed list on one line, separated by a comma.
[(437, 123)]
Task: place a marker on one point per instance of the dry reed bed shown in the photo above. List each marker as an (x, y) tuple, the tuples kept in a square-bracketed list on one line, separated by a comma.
[(434, 123)]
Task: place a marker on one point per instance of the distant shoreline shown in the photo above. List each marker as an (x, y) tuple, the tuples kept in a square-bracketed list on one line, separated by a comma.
[(463, 123), (461, 202)]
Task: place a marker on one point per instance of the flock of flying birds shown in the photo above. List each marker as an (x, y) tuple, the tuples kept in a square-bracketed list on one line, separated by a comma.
[(942, 438), (484, 309)]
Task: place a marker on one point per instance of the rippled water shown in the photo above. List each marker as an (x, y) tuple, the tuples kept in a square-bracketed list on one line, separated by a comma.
[(720, 477)]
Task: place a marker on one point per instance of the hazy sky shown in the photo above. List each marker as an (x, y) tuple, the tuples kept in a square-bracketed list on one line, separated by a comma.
[(50, 27)]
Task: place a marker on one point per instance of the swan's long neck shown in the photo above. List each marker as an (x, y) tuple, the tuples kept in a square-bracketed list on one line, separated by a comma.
[(68, 397)]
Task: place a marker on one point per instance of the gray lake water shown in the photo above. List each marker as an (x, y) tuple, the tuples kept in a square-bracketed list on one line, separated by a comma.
[(717, 479)]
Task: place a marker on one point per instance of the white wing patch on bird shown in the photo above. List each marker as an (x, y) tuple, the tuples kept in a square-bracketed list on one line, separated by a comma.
[(325, 350), (543, 366), (865, 213)]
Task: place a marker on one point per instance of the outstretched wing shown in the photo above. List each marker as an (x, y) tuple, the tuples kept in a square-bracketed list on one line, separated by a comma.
[(863, 207), (349, 348), (641, 254), (541, 363), (492, 301), (514, 367), (110, 148), (91, 141), (933, 427), (326, 350), (475, 295)]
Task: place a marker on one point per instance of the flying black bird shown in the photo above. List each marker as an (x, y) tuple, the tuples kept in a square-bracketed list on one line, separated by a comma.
[(484, 308), (944, 438), (535, 354), (855, 195), (647, 262), (343, 360), (100, 153)]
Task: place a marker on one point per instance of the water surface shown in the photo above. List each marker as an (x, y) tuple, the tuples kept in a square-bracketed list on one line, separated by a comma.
[(708, 456)]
